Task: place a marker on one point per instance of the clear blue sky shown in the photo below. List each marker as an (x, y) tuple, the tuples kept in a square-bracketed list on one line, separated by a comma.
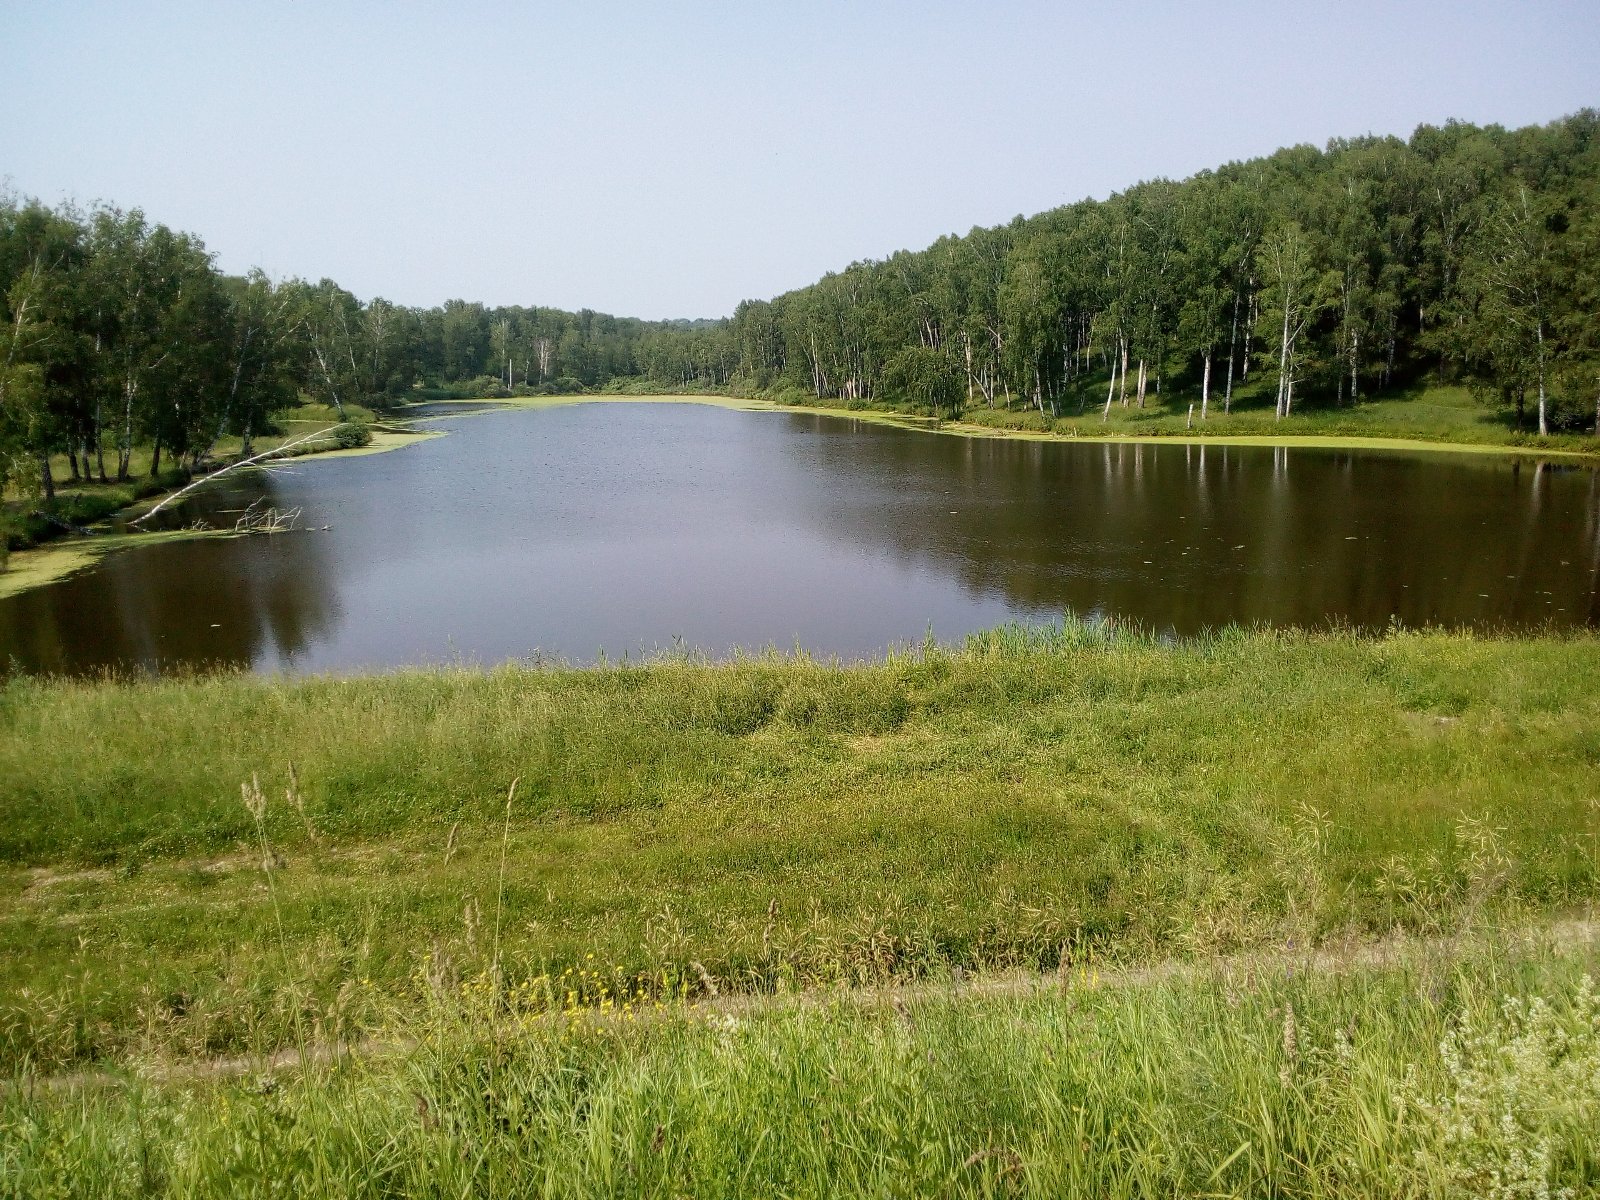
[(669, 159)]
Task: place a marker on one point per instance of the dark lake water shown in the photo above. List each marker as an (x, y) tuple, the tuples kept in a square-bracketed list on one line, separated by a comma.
[(630, 528)]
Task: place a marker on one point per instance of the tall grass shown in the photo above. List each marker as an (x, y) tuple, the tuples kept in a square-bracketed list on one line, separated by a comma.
[(1034, 798), (1430, 1076)]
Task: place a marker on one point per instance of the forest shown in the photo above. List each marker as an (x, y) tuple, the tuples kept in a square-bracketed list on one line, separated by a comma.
[(1465, 254)]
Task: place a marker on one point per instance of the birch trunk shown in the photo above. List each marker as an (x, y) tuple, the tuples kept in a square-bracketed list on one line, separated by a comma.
[(1205, 385), (1544, 424), (125, 449), (328, 378), (1283, 362), (1355, 359), (1253, 315)]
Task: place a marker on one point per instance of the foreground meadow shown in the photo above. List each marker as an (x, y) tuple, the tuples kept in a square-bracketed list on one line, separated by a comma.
[(1427, 1072), (1063, 910)]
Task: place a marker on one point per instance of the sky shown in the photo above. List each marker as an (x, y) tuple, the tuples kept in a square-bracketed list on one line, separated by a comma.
[(670, 159)]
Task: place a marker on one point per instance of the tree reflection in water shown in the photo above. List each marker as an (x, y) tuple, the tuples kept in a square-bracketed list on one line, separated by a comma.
[(573, 530)]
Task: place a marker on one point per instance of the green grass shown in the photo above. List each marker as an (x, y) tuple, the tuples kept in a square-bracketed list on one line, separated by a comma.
[(1441, 415), (1061, 912), (1448, 1074), (1035, 797), (1424, 417)]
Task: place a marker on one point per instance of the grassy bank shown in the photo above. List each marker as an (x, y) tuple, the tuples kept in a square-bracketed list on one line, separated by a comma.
[(1423, 419), (1431, 416), (1426, 418), (1034, 798), (42, 542), (1437, 1073), (1060, 912)]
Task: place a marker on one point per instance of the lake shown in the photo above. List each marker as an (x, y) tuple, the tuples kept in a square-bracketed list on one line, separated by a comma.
[(626, 529)]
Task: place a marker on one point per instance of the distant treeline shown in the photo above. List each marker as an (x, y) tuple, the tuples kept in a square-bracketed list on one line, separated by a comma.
[(1464, 253), (120, 333)]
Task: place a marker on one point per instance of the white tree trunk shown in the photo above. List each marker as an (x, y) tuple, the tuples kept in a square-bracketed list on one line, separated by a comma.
[(1252, 318), (1205, 386), (1544, 425), (1283, 362), (1355, 358), (1233, 341)]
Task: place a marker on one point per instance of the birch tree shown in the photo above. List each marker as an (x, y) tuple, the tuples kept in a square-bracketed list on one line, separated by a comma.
[(1509, 284), (1294, 292)]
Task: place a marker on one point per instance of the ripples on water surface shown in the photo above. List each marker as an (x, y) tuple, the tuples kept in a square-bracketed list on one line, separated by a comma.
[(627, 528)]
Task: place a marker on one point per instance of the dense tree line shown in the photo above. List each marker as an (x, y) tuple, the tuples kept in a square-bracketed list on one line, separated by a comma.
[(1464, 253), (120, 333)]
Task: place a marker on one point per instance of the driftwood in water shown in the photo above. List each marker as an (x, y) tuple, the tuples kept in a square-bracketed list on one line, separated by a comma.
[(263, 518), (254, 460)]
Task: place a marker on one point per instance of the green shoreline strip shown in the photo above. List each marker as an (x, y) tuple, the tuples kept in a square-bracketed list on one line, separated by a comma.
[(969, 429)]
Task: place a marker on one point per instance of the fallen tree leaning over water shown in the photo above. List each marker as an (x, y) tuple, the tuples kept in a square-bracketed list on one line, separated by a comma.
[(287, 450)]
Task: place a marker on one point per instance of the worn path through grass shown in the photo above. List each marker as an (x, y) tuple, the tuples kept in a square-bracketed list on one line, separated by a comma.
[(1440, 1072)]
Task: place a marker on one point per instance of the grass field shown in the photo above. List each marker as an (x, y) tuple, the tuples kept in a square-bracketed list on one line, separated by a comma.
[(1434, 1073), (1062, 911), (1034, 798)]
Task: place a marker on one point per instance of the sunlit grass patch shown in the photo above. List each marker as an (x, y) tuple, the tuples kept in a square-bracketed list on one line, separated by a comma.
[(1023, 801)]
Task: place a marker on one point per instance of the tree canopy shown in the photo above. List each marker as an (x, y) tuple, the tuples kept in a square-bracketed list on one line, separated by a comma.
[(1464, 253)]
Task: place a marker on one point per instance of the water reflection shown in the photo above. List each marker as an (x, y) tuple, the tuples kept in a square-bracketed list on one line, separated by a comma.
[(1190, 537), (261, 602), (573, 530)]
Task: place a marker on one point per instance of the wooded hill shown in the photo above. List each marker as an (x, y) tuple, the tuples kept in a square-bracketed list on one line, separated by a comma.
[(1464, 254)]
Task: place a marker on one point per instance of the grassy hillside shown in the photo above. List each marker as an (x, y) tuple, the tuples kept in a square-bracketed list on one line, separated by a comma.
[(1062, 912), (1450, 416), (1034, 798)]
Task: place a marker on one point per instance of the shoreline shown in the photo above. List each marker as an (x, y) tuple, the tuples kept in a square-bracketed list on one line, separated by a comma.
[(973, 429), (38, 566)]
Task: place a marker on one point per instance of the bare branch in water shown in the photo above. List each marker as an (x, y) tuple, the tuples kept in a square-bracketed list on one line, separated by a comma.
[(255, 460)]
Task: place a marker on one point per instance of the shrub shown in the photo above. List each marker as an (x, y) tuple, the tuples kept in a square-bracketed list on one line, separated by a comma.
[(352, 435)]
